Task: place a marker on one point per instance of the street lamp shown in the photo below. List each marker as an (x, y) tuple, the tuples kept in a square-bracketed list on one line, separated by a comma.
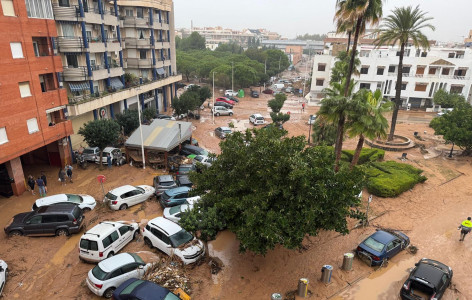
[(140, 125), (309, 129), (232, 76), (213, 107)]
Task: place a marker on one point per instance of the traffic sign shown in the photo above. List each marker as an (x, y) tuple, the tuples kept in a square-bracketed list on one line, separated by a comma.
[(101, 178)]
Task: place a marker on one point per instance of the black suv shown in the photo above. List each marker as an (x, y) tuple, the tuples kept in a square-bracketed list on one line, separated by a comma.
[(429, 279), (57, 219), (184, 180), (190, 149)]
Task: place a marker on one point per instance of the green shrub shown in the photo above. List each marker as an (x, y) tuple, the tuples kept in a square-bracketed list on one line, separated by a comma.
[(367, 155), (390, 179)]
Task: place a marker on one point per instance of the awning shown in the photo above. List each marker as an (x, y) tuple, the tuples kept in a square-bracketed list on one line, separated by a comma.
[(79, 86), (48, 111), (116, 83), (161, 71)]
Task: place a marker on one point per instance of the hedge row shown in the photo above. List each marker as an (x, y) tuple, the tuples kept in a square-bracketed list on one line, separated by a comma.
[(367, 155), (390, 179)]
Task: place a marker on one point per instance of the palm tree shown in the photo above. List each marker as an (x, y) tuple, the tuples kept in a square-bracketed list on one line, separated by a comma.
[(403, 26), (366, 118), (334, 108)]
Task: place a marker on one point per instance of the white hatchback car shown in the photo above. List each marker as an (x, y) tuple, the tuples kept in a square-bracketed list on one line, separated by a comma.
[(128, 195), (256, 119), (222, 111), (111, 272), (3, 275), (85, 202), (231, 93), (174, 213), (106, 239), (172, 239)]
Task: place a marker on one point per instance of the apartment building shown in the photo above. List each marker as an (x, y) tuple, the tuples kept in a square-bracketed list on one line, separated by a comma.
[(33, 124), (424, 72), (114, 53)]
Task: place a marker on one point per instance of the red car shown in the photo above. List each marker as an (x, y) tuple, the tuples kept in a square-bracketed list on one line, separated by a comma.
[(268, 91), (226, 100)]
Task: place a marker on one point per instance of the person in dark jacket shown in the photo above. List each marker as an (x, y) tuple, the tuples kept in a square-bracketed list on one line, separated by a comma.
[(69, 172), (40, 183), (62, 176), (31, 184), (45, 180), (109, 160)]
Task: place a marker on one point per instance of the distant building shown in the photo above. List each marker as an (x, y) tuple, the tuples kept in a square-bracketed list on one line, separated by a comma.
[(294, 53), (468, 39), (315, 46)]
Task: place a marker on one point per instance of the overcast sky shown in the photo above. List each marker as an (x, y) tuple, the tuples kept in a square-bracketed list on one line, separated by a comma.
[(452, 18)]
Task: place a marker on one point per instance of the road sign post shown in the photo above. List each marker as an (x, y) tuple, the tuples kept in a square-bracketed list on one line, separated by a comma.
[(101, 179), (367, 211)]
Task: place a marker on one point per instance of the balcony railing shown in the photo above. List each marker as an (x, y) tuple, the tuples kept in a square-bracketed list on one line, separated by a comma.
[(137, 43), (70, 44), (135, 22), (138, 63)]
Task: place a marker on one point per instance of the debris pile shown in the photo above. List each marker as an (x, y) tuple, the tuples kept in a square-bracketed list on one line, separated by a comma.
[(169, 274)]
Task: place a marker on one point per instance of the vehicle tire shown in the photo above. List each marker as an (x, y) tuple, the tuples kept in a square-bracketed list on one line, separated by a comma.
[(230, 114), (123, 206), (86, 209), (135, 234), (109, 293), (62, 232), (148, 242), (110, 254), (6, 275), (15, 233), (217, 114)]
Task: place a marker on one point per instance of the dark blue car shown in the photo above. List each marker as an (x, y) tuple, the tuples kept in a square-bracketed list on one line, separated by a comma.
[(136, 289), (381, 246)]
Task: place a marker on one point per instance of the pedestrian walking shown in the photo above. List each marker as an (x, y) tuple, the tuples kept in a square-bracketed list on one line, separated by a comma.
[(303, 107), (62, 176), (465, 227), (31, 184), (45, 180), (109, 161), (40, 183), (69, 172)]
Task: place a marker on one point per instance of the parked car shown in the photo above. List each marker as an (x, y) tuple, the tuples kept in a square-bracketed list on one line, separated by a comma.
[(164, 117), (106, 239), (185, 169), (223, 132), (85, 202), (170, 238), (136, 289), (3, 275), (91, 153), (289, 90), (233, 98), (381, 246), (230, 93), (428, 280), (271, 125), (268, 91), (254, 94), (184, 180), (190, 149), (128, 195), (58, 219), (256, 119), (163, 183), (312, 119), (226, 100), (117, 157), (444, 111), (105, 277), (204, 160), (191, 141), (179, 85), (189, 86), (174, 213), (223, 104), (177, 196), (222, 111)]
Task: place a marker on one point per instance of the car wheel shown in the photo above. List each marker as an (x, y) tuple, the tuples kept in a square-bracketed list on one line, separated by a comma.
[(15, 233), (230, 114), (110, 254), (62, 232), (109, 293), (86, 209), (148, 242), (123, 206), (135, 234), (6, 275), (217, 114)]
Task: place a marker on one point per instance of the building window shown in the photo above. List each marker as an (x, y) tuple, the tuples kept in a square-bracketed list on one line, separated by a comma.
[(364, 70), (445, 71), (8, 9), (24, 89), (3, 136), (142, 54), (140, 12), (421, 87), (32, 125), (380, 70), (68, 30), (451, 55), (129, 12), (47, 82), (403, 87), (319, 82), (365, 86), (72, 60), (424, 54), (141, 34), (64, 3), (406, 70), (456, 89), (40, 9), (391, 69), (16, 50), (321, 67)]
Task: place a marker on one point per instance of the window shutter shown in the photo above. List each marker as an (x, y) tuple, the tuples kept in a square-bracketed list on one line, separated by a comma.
[(3, 136), (32, 125), (24, 89), (8, 9), (16, 50)]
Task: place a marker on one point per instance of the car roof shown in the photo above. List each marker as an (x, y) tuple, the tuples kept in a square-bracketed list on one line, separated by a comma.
[(167, 225), (225, 128), (65, 207), (116, 261), (101, 229), (109, 149), (172, 192), (51, 199), (93, 148), (186, 166), (429, 273), (122, 189), (165, 178), (145, 290), (187, 146), (257, 115), (383, 236)]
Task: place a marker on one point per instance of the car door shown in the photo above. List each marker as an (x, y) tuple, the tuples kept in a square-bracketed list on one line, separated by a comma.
[(126, 234), (139, 196), (180, 198), (393, 248), (162, 241), (50, 223), (132, 270), (34, 226), (116, 278)]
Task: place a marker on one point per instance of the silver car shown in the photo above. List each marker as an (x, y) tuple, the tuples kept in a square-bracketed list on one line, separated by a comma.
[(223, 132), (222, 111)]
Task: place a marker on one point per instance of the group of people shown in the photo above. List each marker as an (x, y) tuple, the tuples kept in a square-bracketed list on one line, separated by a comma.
[(41, 182), (67, 171)]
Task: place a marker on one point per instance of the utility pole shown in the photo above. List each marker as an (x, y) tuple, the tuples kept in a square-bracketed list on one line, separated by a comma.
[(306, 69), (309, 130), (213, 107), (232, 76), (265, 70), (279, 62), (140, 126)]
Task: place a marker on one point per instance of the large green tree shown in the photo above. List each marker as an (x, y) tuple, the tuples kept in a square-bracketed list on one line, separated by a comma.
[(188, 101), (447, 100), (404, 27), (277, 103), (276, 192), (324, 132), (194, 42), (341, 67), (186, 64), (128, 121), (100, 133)]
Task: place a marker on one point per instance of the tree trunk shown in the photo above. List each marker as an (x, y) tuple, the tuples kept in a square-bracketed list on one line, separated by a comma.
[(353, 56), (349, 33), (339, 142), (452, 149), (357, 154), (186, 75), (101, 159), (398, 90)]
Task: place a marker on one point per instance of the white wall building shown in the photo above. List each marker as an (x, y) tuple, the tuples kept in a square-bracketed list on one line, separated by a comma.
[(424, 72)]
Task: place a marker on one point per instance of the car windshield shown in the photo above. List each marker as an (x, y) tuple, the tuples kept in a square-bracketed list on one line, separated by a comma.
[(74, 198), (137, 258), (110, 196), (88, 245), (174, 210), (171, 296), (419, 289), (88, 151), (140, 189), (374, 244), (127, 290), (198, 157), (166, 183), (165, 196), (203, 152), (227, 131), (99, 273), (180, 238)]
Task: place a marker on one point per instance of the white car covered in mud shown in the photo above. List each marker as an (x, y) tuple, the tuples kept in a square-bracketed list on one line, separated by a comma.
[(3, 275), (85, 202), (172, 239), (128, 195)]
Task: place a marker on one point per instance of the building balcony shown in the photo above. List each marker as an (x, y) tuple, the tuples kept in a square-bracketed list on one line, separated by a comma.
[(165, 26), (89, 103), (138, 63), (62, 13), (159, 64), (138, 43), (60, 130), (116, 70), (110, 19), (70, 44), (96, 45), (113, 44), (135, 22), (75, 74)]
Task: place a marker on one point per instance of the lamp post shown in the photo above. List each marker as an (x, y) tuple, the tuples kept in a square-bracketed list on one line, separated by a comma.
[(309, 129), (213, 107), (140, 125), (265, 70), (232, 76)]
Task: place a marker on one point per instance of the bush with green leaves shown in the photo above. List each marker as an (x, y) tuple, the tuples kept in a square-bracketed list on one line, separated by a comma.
[(367, 155), (390, 178), (128, 121)]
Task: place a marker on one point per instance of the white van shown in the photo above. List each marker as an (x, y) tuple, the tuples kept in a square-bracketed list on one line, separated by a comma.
[(106, 239), (257, 119), (279, 86)]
